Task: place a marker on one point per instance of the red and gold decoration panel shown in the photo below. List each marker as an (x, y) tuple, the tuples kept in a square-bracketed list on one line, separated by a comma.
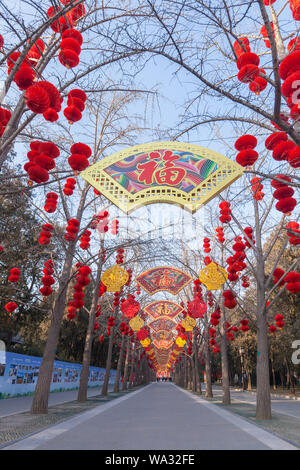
[(163, 308), (163, 278)]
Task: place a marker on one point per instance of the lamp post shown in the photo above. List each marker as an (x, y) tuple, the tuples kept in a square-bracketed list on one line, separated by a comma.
[(242, 351)]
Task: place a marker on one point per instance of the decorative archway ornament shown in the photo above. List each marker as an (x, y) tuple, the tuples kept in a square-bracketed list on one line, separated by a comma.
[(114, 278), (136, 323), (163, 308), (162, 172), (188, 323), (213, 276), (163, 278)]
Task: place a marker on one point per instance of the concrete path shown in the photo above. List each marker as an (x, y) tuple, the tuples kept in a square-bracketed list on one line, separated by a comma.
[(280, 405), (9, 406), (160, 416)]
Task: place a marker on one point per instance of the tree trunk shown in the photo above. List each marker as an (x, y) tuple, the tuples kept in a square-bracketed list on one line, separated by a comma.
[(84, 375), (249, 387), (132, 368), (208, 388), (42, 390), (119, 366), (263, 397), (225, 373), (125, 376), (108, 363), (196, 365)]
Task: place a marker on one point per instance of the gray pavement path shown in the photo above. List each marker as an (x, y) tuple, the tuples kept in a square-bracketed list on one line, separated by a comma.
[(280, 405), (160, 416), (9, 406)]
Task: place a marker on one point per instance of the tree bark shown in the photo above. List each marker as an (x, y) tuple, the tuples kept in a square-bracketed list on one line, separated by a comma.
[(84, 375), (132, 368), (42, 390), (119, 366), (208, 388), (108, 363), (125, 376), (263, 397)]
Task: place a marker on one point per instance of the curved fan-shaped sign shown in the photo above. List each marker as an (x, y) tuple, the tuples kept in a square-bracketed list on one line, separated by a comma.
[(162, 323), (171, 172), (163, 308), (163, 278)]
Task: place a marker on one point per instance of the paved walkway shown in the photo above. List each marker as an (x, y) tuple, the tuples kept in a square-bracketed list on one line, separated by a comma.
[(160, 416), (9, 406), (282, 405)]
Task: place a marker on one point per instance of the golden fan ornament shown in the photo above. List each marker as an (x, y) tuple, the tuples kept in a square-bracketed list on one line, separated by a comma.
[(188, 323), (114, 278), (136, 323), (213, 276)]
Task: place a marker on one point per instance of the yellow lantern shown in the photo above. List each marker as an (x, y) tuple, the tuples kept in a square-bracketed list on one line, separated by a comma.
[(136, 323), (213, 276), (115, 278), (180, 342), (145, 342), (188, 323)]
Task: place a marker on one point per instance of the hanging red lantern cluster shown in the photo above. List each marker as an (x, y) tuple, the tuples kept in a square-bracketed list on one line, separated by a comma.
[(265, 36), (215, 317), (35, 52), (256, 188), (62, 23), (272, 329), (229, 330), (220, 234), (279, 321), (82, 280), (197, 290), (75, 105), (120, 256), (114, 227), (248, 235), (286, 203), (85, 240), (289, 72), (80, 153), (207, 260), (47, 280), (247, 64), (102, 289), (206, 245), (283, 149), (51, 202), (229, 301), (10, 307), (41, 160), (129, 272), (116, 300), (277, 275), (69, 186), (72, 229), (210, 299), (124, 328), (130, 307), (293, 45), (110, 324), (245, 282), (70, 48), (241, 46), (100, 222), (294, 228), (25, 75), (295, 7), (41, 97), (292, 280), (142, 334), (5, 116), (196, 308), (245, 327), (46, 234), (103, 257), (245, 145), (225, 212), (216, 349), (138, 290), (14, 275)]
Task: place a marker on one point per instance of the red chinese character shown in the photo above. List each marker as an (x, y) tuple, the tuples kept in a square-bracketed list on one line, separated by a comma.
[(167, 174)]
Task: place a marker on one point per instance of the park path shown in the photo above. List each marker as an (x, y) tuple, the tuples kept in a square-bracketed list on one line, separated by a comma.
[(160, 416)]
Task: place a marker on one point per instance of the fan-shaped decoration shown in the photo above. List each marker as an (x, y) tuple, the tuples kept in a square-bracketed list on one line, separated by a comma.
[(163, 278), (162, 323), (213, 276), (136, 323), (163, 308), (162, 344), (172, 172), (114, 278)]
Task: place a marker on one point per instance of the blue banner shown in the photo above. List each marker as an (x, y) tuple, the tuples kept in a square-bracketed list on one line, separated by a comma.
[(19, 373)]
